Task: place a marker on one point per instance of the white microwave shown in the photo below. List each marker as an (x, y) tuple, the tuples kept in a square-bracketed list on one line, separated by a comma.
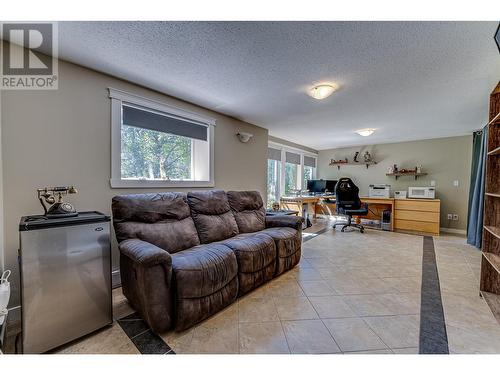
[(422, 192)]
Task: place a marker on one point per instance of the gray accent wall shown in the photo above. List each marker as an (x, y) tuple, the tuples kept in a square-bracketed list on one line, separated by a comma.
[(444, 159), (63, 137)]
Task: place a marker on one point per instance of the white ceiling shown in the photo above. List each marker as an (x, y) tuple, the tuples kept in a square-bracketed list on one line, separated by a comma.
[(409, 80)]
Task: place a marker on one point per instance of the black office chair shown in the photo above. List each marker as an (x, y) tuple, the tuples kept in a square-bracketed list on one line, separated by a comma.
[(348, 203)]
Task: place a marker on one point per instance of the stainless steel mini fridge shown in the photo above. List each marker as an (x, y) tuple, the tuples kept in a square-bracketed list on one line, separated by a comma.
[(65, 266)]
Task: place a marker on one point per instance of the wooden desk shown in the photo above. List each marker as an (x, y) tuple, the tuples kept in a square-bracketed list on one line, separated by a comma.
[(417, 215), (407, 215), (375, 208), (298, 202)]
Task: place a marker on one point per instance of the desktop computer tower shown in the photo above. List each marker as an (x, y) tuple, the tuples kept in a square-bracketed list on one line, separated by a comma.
[(386, 220)]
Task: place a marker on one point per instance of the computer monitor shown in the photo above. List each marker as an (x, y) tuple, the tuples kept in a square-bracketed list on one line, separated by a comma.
[(316, 186), (330, 185)]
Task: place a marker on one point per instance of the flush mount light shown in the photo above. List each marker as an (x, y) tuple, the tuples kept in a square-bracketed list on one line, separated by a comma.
[(322, 91), (365, 132)]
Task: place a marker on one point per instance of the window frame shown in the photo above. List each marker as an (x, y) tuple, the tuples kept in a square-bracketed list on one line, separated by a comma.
[(300, 172), (118, 98)]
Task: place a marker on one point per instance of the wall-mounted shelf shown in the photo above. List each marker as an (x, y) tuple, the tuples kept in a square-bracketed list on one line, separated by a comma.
[(400, 174), (338, 164)]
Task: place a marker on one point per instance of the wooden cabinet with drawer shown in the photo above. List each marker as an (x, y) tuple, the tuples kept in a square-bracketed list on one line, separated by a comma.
[(417, 215)]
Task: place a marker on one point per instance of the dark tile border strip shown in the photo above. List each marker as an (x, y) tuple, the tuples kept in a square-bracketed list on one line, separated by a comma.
[(145, 340), (433, 336)]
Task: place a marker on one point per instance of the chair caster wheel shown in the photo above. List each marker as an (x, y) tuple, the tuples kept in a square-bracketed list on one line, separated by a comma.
[(362, 231)]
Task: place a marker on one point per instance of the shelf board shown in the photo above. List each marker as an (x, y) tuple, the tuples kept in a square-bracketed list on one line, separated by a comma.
[(493, 230), (495, 119), (493, 259), (497, 195), (339, 164), (496, 151), (398, 174), (493, 301)]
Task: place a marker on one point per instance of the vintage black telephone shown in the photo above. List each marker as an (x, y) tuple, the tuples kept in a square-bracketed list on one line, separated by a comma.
[(53, 196)]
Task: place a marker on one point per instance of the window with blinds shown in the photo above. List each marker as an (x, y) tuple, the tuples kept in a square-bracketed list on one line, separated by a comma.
[(159, 144)]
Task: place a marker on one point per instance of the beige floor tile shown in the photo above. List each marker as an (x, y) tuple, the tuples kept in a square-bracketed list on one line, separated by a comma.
[(485, 340), (399, 331), (466, 310), (295, 308), (368, 305), (346, 285), (284, 288), (306, 274), (309, 337), (332, 307), (262, 338), (316, 288), (405, 284), (179, 341), (379, 351), (110, 340), (353, 334), (413, 350), (215, 337), (254, 310)]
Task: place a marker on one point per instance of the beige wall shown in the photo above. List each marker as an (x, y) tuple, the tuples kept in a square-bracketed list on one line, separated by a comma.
[(291, 144), (62, 137), (444, 159)]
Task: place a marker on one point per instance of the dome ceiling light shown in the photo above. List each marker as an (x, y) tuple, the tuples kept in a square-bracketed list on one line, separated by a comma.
[(322, 91), (365, 132)]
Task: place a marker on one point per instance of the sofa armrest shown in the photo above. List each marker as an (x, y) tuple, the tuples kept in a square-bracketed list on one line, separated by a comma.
[(284, 221), (146, 275), (145, 253)]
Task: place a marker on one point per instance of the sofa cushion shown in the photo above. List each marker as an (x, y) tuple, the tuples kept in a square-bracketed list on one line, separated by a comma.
[(254, 251), (256, 256), (288, 243), (212, 215), (281, 235), (248, 209), (162, 219), (203, 270)]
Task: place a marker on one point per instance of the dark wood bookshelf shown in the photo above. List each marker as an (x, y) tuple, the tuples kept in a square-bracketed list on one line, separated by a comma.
[(490, 262)]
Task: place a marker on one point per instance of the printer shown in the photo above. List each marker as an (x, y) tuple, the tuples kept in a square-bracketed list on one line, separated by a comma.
[(379, 191)]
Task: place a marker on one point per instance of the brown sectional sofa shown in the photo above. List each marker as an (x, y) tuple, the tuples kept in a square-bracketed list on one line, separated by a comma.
[(184, 257)]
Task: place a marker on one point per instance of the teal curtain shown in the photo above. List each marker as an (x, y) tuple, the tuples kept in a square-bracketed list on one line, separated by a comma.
[(476, 191)]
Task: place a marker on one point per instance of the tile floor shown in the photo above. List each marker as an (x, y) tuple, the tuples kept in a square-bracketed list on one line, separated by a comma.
[(351, 293)]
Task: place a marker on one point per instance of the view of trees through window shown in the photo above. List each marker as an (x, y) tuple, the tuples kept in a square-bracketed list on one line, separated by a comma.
[(273, 180), (291, 171), (308, 175), (154, 155)]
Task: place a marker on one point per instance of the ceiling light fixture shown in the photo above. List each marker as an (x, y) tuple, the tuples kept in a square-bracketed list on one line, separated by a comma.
[(365, 132), (322, 91)]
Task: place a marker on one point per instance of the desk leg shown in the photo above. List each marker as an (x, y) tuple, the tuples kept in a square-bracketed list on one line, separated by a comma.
[(392, 217)]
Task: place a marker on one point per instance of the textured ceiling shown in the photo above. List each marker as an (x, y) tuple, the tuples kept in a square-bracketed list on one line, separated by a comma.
[(409, 80)]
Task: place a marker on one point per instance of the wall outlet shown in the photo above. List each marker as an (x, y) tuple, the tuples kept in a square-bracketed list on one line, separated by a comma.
[(455, 183), (450, 216), (455, 217), (433, 183)]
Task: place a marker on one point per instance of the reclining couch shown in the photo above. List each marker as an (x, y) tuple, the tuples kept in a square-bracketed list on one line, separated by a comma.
[(184, 257)]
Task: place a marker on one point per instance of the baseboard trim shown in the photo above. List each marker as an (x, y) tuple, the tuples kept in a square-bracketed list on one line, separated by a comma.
[(453, 230)]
